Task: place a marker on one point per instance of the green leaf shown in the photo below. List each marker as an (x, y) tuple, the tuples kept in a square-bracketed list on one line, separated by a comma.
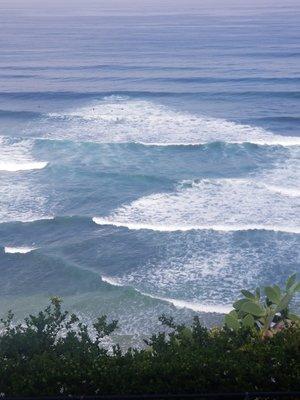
[(248, 321), (238, 304), (253, 308), (248, 294), (285, 301), (272, 294), (290, 281), (232, 322), (278, 290)]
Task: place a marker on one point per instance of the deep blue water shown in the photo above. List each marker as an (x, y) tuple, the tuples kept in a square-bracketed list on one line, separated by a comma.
[(147, 151)]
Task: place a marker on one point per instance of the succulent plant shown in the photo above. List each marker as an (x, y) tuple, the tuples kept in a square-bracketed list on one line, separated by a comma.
[(267, 314)]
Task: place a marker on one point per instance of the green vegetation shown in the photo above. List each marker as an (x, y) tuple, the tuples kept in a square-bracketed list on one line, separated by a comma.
[(267, 315), (53, 353)]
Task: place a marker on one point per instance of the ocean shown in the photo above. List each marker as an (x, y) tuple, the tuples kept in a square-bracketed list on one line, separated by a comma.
[(149, 156)]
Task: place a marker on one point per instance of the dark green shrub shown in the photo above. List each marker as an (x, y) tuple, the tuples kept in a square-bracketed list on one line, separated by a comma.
[(53, 353)]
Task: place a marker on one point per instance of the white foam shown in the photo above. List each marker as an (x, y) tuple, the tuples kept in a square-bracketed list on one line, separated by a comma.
[(21, 250), (207, 308), (141, 121), (284, 190), (198, 307), (20, 199), (110, 280), (33, 218), (206, 267), (285, 177), (221, 205), (185, 228), (15, 155), (19, 166)]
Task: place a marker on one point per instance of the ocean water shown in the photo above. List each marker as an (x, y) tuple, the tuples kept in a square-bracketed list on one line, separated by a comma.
[(149, 155)]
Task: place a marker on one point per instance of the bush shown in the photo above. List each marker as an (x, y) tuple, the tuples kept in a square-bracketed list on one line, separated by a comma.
[(53, 353)]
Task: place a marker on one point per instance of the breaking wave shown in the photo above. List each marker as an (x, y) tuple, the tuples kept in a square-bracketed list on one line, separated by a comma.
[(121, 119), (217, 204), (185, 228), (20, 250), (198, 307), (16, 155), (19, 166)]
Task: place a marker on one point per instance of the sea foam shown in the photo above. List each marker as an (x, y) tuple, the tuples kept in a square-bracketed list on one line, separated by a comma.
[(21, 250), (16, 155), (217, 204), (21, 166), (185, 228), (125, 120)]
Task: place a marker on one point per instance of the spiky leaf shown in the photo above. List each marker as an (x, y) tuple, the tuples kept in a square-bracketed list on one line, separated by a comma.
[(253, 308)]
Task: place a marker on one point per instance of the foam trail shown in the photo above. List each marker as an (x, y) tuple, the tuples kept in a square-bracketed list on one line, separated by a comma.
[(273, 141), (111, 281), (186, 228), (35, 219), (24, 219), (27, 166), (20, 250), (207, 308)]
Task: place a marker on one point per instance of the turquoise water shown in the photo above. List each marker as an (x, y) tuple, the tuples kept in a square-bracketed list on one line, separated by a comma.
[(149, 156)]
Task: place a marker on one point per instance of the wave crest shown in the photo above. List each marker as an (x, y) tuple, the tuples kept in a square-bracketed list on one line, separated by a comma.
[(185, 228), (198, 307), (19, 166), (20, 250), (15, 155)]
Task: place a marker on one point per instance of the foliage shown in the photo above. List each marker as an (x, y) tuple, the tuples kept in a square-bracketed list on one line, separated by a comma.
[(53, 353), (269, 314)]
